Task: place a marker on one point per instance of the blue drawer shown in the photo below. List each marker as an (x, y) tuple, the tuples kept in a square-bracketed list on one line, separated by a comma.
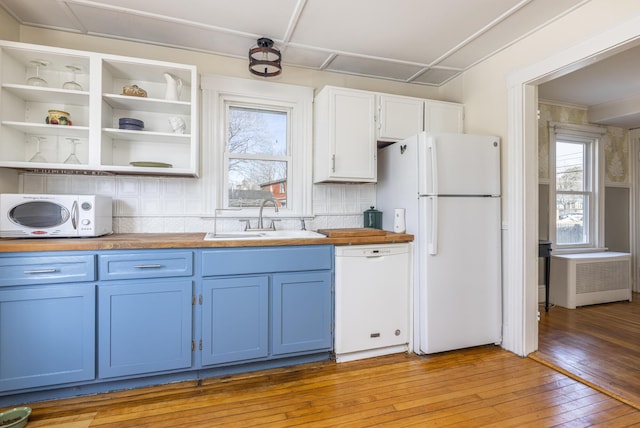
[(240, 261), (144, 264), (47, 269)]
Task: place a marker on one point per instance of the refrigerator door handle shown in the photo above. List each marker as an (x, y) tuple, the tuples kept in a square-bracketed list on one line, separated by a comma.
[(434, 165), (433, 244)]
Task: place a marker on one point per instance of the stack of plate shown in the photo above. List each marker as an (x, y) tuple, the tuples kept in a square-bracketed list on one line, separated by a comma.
[(131, 124)]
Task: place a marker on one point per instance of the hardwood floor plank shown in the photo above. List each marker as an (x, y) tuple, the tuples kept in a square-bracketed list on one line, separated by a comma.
[(472, 387), (599, 344)]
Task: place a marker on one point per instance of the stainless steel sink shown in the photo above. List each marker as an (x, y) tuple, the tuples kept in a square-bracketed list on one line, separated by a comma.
[(269, 234)]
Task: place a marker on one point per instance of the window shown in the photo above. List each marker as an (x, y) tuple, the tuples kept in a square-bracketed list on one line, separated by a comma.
[(574, 194), (257, 145), (576, 186), (256, 155)]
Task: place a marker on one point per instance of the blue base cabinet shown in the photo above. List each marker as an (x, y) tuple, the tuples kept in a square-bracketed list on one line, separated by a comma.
[(235, 323), (280, 305), (46, 336), (144, 312), (301, 315), (47, 320), (78, 322), (144, 327)]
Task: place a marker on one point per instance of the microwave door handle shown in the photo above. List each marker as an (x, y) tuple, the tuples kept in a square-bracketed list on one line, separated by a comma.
[(74, 214)]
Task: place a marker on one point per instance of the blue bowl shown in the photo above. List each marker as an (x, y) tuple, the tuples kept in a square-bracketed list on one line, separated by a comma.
[(131, 127), (130, 123)]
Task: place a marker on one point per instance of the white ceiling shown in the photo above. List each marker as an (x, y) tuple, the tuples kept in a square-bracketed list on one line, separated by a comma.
[(609, 89), (419, 41), (425, 42)]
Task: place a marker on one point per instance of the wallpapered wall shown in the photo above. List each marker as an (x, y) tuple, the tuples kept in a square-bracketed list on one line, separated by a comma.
[(617, 180), (616, 142)]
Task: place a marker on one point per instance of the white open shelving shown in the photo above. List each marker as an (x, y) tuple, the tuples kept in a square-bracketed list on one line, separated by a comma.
[(94, 112)]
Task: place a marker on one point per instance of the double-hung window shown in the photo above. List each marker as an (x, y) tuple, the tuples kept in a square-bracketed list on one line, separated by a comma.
[(576, 186), (257, 146), (257, 155)]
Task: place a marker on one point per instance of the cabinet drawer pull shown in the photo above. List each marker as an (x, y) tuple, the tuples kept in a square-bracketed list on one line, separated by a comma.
[(148, 266), (37, 271)]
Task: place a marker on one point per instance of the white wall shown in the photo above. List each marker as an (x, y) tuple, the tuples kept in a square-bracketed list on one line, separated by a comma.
[(488, 91), (9, 28), (8, 181), (169, 204), (483, 88)]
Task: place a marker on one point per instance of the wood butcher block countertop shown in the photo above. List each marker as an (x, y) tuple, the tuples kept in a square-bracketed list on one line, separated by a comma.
[(124, 241)]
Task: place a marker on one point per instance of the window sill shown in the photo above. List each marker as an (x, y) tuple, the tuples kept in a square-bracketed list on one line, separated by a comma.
[(556, 251)]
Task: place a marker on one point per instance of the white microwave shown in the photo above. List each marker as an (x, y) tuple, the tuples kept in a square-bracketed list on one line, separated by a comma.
[(49, 216)]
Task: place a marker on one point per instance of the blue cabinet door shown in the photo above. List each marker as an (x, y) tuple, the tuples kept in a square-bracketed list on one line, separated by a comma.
[(235, 319), (144, 326), (47, 335), (301, 312)]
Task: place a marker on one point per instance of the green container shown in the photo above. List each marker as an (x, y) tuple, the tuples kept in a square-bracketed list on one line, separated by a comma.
[(373, 218)]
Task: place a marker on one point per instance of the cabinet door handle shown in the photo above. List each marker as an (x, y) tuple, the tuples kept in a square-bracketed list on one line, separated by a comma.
[(333, 163), (148, 266), (37, 271)]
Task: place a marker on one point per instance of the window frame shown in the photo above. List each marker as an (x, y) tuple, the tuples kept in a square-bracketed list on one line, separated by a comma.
[(227, 156), (593, 218), (220, 91)]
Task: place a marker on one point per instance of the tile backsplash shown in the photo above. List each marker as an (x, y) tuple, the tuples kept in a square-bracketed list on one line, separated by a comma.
[(169, 204)]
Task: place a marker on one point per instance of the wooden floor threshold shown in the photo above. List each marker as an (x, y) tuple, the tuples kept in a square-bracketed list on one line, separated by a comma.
[(584, 381), (597, 345)]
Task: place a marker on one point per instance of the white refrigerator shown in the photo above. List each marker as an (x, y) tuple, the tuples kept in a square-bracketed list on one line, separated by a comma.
[(449, 186)]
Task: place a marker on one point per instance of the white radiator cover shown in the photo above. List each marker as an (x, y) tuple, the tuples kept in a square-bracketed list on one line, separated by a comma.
[(590, 278)]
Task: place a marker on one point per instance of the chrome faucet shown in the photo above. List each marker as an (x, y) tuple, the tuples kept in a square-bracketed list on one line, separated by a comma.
[(260, 223)]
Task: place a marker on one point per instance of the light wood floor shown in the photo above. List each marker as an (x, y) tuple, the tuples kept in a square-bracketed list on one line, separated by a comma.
[(484, 386), (598, 343)]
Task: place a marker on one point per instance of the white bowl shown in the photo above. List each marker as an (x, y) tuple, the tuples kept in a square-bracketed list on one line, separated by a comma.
[(19, 416)]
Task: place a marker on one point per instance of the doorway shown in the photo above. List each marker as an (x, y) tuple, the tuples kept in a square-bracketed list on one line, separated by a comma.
[(521, 278), (521, 282)]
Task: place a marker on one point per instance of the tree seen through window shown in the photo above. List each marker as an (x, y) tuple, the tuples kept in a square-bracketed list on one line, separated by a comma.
[(257, 156)]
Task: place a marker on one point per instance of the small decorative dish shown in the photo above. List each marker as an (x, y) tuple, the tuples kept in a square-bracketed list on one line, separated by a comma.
[(130, 124), (15, 418), (133, 91), (151, 164), (58, 117)]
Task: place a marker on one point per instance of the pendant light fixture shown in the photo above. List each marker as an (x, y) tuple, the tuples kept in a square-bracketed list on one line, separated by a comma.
[(264, 59)]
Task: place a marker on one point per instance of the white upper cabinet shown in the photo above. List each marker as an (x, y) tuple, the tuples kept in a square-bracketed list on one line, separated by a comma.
[(348, 123), (441, 116), (345, 142), (89, 89), (399, 117)]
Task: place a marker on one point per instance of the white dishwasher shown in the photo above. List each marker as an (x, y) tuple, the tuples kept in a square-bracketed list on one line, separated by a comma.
[(373, 293)]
